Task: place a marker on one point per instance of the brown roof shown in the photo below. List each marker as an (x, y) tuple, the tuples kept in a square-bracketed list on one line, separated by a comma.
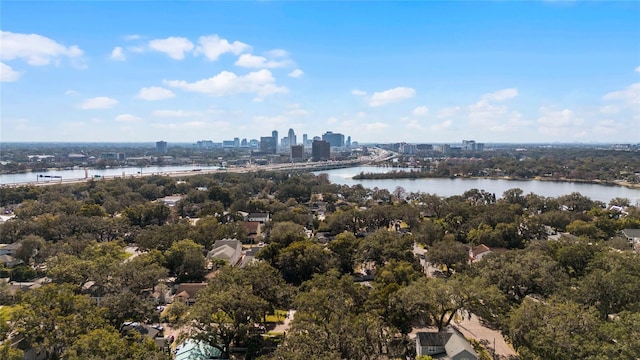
[(480, 249), (251, 226), (191, 289)]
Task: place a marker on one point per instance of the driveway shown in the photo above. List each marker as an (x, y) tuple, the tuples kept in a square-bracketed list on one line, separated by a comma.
[(472, 328)]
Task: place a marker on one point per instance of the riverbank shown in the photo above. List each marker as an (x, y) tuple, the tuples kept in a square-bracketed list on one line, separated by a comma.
[(410, 175)]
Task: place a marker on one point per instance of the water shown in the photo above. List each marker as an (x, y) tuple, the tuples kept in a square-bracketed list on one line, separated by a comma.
[(449, 187), (76, 174), (441, 187)]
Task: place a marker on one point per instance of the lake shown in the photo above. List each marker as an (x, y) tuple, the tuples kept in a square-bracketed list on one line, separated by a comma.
[(449, 187)]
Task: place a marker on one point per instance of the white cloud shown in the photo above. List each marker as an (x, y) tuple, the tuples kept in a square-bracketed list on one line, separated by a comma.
[(560, 123), (638, 69), (357, 92), (187, 125), (175, 47), (448, 112), (332, 120), (260, 83), (7, 74), (501, 95), (442, 126), (278, 53), (37, 50), (414, 125), (155, 93), (213, 46), (71, 92), (376, 126), (117, 54), (609, 109), (421, 111), (132, 37), (100, 102), (297, 112), (253, 61), (127, 118), (175, 113), (630, 95), (391, 96), (296, 73)]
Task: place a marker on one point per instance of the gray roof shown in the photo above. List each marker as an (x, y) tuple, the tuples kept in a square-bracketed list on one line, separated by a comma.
[(451, 339), (631, 233)]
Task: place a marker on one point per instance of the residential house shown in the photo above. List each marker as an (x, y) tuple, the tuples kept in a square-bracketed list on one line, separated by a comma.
[(196, 349), (250, 256), (253, 230), (229, 250), (633, 235), (170, 200), (478, 252), (153, 332), (186, 292), (10, 249), (262, 218), (449, 344), (9, 261)]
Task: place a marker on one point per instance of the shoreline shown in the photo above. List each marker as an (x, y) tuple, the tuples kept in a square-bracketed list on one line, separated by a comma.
[(389, 176)]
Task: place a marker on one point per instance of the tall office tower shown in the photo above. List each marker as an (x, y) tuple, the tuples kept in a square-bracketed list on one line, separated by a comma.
[(236, 142), (320, 150), (334, 139), (161, 147), (274, 135), (244, 142), (297, 152), (348, 142), (268, 144), (292, 138), (304, 139)]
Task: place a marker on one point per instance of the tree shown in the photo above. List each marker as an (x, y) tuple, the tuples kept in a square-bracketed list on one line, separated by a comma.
[(344, 246), (53, 317), (107, 344), (452, 254), (300, 260), (185, 259), (384, 245), (556, 329), (226, 315)]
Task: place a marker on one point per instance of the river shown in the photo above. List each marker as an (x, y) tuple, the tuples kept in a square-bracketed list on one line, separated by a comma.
[(77, 174), (449, 187), (441, 186)]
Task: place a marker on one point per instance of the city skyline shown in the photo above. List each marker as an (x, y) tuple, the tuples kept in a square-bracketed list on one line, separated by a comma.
[(424, 72)]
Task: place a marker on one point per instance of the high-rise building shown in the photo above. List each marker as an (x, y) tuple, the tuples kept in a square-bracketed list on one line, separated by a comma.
[(334, 139), (305, 138), (292, 138), (320, 150), (161, 147), (348, 142), (268, 144), (274, 135), (297, 152)]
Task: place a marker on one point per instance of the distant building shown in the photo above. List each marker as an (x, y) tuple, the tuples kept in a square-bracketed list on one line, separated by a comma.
[(320, 150), (305, 140), (274, 135), (334, 139), (268, 144), (161, 147), (113, 156), (348, 142), (297, 151), (292, 138)]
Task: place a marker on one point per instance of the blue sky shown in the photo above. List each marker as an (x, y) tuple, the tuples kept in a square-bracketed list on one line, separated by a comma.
[(419, 72)]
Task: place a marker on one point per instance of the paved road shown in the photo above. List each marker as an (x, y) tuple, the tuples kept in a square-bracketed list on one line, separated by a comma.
[(472, 328)]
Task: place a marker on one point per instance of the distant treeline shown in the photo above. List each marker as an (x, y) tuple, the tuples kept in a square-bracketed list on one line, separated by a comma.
[(396, 174)]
